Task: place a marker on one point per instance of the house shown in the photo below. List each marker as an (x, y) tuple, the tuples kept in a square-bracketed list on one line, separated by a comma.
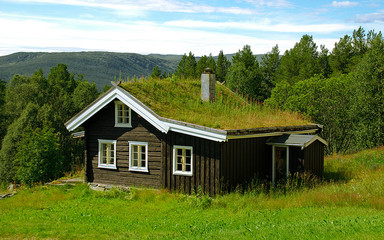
[(157, 133)]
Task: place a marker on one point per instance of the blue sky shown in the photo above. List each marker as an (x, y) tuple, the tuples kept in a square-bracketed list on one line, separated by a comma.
[(177, 27)]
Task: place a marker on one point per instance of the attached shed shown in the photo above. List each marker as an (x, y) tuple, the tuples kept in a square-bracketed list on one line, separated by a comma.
[(296, 153), (130, 139)]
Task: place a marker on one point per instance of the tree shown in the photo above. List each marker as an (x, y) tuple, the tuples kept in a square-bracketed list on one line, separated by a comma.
[(211, 63), (156, 72), (300, 62), (369, 103), (222, 67), (269, 67), (340, 59), (326, 101), (27, 119), (187, 66), (39, 156), (244, 75), (3, 123), (36, 102), (84, 94), (201, 65), (106, 88)]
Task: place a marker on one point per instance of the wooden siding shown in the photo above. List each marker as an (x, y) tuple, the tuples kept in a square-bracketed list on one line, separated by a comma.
[(244, 159), (295, 153), (314, 158), (206, 164), (101, 126)]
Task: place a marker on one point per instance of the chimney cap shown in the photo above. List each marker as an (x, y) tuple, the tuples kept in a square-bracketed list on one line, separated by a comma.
[(208, 71)]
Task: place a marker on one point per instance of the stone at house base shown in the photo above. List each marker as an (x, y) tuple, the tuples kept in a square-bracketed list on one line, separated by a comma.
[(105, 187)]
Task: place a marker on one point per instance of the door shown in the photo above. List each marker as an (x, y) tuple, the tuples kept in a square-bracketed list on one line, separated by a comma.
[(280, 163)]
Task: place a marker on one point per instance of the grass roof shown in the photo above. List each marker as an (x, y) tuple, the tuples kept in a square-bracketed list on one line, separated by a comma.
[(179, 99)]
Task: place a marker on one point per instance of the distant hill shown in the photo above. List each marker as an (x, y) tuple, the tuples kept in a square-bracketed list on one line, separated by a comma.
[(100, 67)]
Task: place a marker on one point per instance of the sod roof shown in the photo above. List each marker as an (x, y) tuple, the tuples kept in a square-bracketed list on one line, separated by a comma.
[(179, 99)]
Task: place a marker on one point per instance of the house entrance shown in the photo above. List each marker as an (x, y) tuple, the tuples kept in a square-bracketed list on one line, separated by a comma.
[(280, 162)]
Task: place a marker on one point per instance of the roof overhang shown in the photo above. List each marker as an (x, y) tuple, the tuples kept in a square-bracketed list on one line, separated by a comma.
[(295, 140), (164, 124), (116, 93)]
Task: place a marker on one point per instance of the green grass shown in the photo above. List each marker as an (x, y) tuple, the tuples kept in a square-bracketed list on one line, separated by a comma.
[(179, 99), (349, 205)]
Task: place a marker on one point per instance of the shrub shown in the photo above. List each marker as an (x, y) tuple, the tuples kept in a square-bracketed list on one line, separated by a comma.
[(39, 156)]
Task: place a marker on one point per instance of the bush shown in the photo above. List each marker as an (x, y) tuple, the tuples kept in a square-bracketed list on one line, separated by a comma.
[(39, 156)]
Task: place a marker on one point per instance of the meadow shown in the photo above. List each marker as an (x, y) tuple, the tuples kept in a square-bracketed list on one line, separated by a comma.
[(348, 203)]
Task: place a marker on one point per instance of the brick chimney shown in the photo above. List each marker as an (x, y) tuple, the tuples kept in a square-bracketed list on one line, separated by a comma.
[(208, 80)]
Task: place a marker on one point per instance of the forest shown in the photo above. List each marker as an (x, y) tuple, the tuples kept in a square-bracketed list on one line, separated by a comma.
[(341, 89)]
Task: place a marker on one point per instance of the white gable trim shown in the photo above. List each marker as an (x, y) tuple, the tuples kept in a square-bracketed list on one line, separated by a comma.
[(162, 124), (116, 93), (214, 136), (314, 139)]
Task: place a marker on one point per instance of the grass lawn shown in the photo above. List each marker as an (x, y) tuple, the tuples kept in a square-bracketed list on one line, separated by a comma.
[(347, 204)]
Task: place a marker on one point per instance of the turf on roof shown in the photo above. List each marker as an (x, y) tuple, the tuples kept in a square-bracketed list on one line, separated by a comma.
[(179, 99)]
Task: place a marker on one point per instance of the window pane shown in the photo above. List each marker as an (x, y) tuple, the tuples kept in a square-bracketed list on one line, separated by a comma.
[(179, 167), (135, 149), (188, 160), (188, 168), (103, 160), (134, 164), (142, 163), (179, 159), (188, 152), (135, 156), (179, 151)]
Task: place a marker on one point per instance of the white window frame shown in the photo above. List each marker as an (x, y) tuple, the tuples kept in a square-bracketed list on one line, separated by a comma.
[(175, 171), (136, 168), (104, 165), (117, 124)]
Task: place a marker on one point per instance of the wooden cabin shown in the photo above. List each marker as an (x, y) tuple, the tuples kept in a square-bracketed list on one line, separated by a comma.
[(127, 142)]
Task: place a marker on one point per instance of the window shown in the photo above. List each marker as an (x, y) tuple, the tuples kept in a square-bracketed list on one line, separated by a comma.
[(107, 154), (182, 160), (122, 115), (138, 156)]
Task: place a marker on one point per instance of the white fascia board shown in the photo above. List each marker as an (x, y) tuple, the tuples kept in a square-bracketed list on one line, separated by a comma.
[(214, 136), (314, 139), (144, 113), (91, 110), (109, 97)]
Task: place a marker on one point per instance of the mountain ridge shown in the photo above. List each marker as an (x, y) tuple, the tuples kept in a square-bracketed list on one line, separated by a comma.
[(96, 66)]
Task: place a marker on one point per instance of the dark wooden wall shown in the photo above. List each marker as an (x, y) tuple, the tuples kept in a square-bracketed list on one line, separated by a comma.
[(244, 159), (206, 164), (101, 126), (295, 153), (314, 158)]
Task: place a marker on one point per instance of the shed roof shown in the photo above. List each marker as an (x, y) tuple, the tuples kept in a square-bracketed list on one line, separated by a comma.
[(295, 140)]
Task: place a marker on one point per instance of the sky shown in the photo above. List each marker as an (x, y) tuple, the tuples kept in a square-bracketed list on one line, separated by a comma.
[(178, 27)]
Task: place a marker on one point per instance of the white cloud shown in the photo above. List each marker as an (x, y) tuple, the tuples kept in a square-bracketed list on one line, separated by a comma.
[(344, 4), (50, 34), (370, 18), (147, 5), (265, 26), (270, 3)]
